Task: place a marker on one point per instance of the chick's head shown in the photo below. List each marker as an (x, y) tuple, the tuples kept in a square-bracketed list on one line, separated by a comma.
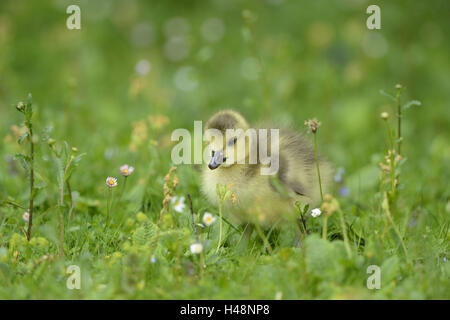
[(230, 139)]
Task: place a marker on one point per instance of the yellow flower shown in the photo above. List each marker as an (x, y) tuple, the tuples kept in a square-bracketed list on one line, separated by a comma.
[(141, 217)]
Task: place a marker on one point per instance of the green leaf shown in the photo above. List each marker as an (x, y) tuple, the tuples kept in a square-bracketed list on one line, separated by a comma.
[(386, 94), (305, 210), (145, 234), (41, 185), (323, 258), (390, 270), (29, 110), (73, 164), (78, 158), (24, 161), (45, 135), (412, 103), (75, 196), (22, 137), (66, 152), (60, 169)]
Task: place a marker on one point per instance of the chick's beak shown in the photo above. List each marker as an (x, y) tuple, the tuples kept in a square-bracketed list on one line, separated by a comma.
[(217, 159)]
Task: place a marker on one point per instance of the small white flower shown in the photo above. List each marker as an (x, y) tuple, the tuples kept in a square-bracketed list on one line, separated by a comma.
[(111, 182), (196, 248), (178, 204), (316, 212), (26, 216), (208, 219), (153, 259), (126, 170)]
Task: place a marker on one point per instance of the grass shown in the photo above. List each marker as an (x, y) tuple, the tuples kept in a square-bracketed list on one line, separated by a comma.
[(286, 63)]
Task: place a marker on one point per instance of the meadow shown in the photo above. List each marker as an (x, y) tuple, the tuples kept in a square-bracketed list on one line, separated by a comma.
[(77, 105)]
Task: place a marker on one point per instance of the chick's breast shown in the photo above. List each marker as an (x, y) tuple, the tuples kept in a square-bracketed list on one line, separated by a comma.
[(256, 201)]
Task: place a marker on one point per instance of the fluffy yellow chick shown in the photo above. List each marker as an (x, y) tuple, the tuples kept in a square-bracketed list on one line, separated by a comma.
[(263, 197)]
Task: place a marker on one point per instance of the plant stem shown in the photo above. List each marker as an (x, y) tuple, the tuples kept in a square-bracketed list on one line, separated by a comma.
[(108, 202), (388, 132), (123, 189), (263, 237), (61, 215), (344, 231), (61, 232), (324, 230), (192, 215), (15, 204), (220, 225), (391, 153), (317, 164), (299, 223), (397, 231), (201, 264), (304, 223), (69, 191), (30, 209), (399, 121), (399, 125)]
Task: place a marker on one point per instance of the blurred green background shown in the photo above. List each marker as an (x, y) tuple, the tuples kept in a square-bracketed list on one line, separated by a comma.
[(317, 60), (139, 69)]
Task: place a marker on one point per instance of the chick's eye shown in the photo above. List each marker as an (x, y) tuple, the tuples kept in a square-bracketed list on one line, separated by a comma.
[(232, 141)]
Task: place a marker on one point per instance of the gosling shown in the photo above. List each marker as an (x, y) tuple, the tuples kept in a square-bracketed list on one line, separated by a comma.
[(264, 199)]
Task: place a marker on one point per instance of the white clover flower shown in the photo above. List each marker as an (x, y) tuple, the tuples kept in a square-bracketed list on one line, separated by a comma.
[(178, 204), (196, 248), (26, 216), (126, 170), (208, 219), (111, 182), (316, 212)]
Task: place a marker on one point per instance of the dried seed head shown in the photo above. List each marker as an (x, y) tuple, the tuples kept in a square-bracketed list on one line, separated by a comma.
[(313, 125), (20, 106), (233, 198), (170, 184), (329, 205), (384, 167)]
